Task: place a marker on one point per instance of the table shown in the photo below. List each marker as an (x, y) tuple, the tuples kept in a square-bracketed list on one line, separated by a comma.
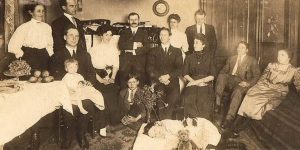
[(19, 111)]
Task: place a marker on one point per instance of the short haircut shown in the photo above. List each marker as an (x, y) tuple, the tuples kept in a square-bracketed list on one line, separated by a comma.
[(62, 3), (200, 12), (133, 14), (166, 29), (244, 43), (70, 61), (174, 16), (133, 76), (68, 28), (202, 38), (288, 52), (103, 29), (32, 6)]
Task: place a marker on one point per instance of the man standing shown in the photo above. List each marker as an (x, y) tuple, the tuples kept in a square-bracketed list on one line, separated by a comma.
[(163, 67), (134, 46), (201, 27), (77, 121), (59, 25), (239, 74)]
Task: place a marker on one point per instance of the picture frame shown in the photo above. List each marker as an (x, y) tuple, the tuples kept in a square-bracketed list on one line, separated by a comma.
[(161, 8)]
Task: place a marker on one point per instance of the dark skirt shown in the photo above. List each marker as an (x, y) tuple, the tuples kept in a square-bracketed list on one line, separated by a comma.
[(110, 94), (38, 59), (199, 102)]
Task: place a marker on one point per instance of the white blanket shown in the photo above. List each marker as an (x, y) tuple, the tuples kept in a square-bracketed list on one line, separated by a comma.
[(19, 111), (205, 133)]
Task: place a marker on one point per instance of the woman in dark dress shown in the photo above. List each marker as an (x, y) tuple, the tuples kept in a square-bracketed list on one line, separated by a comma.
[(199, 71)]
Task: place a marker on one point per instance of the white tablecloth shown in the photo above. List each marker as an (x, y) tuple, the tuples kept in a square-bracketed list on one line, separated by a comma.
[(19, 111), (205, 133)]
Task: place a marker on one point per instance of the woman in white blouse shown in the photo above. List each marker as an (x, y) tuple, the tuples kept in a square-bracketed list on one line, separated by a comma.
[(178, 40), (105, 59), (33, 40)]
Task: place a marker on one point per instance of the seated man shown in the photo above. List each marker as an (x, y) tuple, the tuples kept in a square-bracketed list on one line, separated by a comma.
[(164, 66), (239, 74), (78, 120)]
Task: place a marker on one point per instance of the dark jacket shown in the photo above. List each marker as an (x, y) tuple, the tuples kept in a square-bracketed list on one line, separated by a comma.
[(58, 27), (210, 35), (159, 63), (86, 69), (247, 71)]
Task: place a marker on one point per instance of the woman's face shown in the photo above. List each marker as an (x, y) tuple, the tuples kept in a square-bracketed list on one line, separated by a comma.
[(198, 45), (106, 37), (283, 57), (38, 13), (132, 83), (173, 24)]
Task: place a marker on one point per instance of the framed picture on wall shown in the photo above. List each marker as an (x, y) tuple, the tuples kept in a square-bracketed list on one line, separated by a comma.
[(273, 21), (79, 5)]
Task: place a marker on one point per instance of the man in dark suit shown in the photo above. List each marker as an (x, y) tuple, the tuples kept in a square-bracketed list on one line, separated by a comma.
[(59, 25), (164, 65), (77, 121), (134, 46), (239, 74), (201, 27)]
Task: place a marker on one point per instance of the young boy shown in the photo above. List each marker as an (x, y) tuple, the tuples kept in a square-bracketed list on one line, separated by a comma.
[(80, 89)]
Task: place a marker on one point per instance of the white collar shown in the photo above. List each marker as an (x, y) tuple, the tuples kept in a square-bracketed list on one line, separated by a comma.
[(243, 56), (129, 90), (70, 49), (69, 16), (35, 21), (174, 30), (134, 28), (165, 45)]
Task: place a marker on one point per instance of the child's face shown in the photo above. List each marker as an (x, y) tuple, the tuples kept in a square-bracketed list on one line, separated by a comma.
[(132, 83), (72, 68)]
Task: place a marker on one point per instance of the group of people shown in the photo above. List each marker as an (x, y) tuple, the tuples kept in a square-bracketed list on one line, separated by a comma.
[(182, 65)]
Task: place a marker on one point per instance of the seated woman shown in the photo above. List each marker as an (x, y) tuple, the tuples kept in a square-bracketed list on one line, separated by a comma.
[(270, 90), (199, 70), (132, 111), (33, 40), (105, 59)]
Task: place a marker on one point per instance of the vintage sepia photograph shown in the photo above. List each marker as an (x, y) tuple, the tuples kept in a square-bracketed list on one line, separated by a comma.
[(149, 74)]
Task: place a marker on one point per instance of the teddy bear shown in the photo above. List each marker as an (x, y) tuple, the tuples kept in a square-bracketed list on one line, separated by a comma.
[(185, 143)]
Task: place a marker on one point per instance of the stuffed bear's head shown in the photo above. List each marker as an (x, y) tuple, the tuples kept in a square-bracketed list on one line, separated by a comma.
[(183, 135)]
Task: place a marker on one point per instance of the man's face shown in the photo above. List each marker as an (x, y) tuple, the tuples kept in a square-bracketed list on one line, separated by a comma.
[(134, 20), (164, 36), (242, 49), (200, 19), (72, 37), (71, 7)]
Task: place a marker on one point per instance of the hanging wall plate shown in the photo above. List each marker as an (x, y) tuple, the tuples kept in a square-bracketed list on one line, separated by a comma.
[(160, 8)]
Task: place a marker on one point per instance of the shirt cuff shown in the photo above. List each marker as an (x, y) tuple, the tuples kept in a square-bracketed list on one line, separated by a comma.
[(134, 45), (133, 52)]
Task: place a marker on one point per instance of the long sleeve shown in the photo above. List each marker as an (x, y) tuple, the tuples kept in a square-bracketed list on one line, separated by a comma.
[(16, 42), (58, 35), (225, 69), (89, 70), (255, 71), (124, 43), (49, 46), (186, 67), (266, 73), (177, 66), (143, 50), (185, 44), (56, 66), (150, 68)]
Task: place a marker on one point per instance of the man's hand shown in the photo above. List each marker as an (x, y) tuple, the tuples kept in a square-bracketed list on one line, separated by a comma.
[(244, 84), (164, 78), (139, 44), (129, 51)]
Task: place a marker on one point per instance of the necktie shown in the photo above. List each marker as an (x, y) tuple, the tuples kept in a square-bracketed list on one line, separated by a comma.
[(74, 21), (133, 32), (235, 69), (166, 50), (131, 97), (74, 53), (201, 29)]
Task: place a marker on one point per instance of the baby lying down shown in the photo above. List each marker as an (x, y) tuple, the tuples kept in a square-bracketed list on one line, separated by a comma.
[(79, 89), (194, 134)]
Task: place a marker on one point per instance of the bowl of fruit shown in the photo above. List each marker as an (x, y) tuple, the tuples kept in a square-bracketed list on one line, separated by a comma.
[(41, 77)]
